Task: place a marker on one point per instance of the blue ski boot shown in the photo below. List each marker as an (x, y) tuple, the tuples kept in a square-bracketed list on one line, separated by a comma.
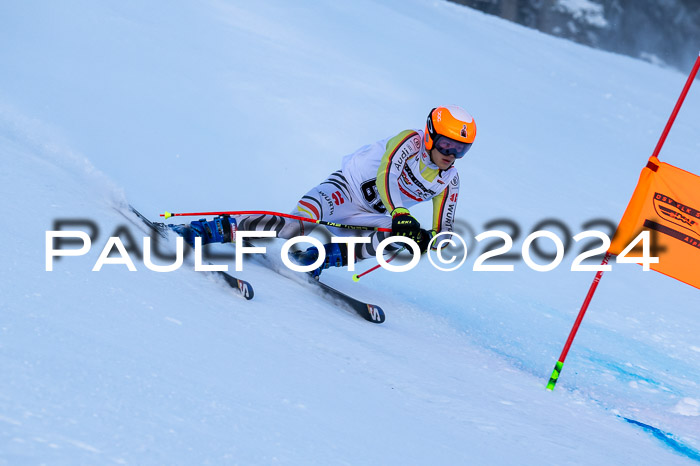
[(336, 256), (220, 230)]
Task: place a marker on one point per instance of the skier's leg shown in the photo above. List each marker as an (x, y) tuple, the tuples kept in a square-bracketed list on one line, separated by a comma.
[(309, 206), (328, 201), (371, 219), (337, 253), (333, 201), (284, 227), (221, 229)]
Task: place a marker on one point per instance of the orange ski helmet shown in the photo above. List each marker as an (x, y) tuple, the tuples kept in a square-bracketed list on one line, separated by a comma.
[(451, 130)]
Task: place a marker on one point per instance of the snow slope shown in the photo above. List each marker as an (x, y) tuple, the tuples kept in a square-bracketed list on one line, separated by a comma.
[(239, 105)]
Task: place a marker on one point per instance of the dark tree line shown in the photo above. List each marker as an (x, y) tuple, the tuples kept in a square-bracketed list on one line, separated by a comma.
[(666, 32)]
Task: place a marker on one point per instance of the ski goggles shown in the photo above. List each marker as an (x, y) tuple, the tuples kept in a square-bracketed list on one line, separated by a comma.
[(447, 146)]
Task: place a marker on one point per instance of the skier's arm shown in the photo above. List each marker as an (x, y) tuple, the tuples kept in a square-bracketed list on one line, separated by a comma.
[(445, 206), (398, 150)]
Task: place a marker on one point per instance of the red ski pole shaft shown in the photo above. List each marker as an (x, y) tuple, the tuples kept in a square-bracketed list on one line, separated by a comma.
[(356, 278), (584, 307), (672, 118), (278, 214), (560, 362)]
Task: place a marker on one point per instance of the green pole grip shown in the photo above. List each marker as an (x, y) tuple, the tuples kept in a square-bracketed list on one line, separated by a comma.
[(555, 375)]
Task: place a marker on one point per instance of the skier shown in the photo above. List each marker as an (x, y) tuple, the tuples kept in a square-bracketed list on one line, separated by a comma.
[(386, 177)]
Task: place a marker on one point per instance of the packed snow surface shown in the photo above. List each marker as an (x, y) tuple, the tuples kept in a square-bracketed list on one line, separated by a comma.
[(214, 105)]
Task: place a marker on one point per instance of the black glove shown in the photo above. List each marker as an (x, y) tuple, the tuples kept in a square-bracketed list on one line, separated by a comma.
[(424, 238), (403, 224)]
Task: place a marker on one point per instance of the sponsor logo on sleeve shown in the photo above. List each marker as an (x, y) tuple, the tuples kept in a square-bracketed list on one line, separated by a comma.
[(416, 143), (449, 217)]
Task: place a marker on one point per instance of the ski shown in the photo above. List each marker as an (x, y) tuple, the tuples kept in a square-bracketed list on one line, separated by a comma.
[(369, 312), (244, 288)]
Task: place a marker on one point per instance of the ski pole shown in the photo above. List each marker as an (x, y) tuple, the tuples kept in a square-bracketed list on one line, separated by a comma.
[(278, 214), (572, 334), (356, 278)]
